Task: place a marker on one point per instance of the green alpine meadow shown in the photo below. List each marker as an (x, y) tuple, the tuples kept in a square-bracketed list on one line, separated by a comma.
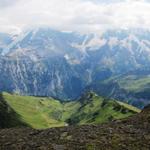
[(42, 112)]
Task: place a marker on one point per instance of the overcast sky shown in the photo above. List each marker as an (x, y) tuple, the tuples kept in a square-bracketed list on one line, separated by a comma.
[(74, 15)]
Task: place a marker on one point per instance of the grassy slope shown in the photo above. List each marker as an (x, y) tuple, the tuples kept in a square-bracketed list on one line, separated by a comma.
[(39, 112), (134, 84), (100, 110), (131, 83)]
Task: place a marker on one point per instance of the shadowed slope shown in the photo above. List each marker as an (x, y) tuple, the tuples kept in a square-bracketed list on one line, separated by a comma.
[(8, 117)]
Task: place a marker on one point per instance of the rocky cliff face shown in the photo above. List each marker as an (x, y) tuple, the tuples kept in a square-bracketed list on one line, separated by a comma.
[(48, 77)]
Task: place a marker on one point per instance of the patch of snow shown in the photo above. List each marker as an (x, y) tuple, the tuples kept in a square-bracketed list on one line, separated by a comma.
[(113, 41)]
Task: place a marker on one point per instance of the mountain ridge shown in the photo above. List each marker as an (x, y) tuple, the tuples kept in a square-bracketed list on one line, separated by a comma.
[(42, 112)]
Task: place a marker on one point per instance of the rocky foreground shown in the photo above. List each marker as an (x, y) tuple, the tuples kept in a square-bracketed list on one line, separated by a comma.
[(128, 134)]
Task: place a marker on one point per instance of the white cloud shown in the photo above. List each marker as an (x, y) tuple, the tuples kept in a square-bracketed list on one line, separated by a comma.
[(7, 3), (80, 15)]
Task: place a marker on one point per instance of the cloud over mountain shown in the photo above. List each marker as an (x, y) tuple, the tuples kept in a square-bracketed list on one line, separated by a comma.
[(81, 15)]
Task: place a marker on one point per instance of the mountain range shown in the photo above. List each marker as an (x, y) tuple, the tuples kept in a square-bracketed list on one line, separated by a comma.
[(63, 65)]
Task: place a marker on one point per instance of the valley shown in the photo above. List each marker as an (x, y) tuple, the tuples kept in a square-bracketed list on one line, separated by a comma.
[(42, 112)]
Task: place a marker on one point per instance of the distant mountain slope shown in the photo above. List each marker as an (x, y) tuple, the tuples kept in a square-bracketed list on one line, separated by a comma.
[(132, 133), (5, 40), (40, 112), (132, 87), (41, 62)]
